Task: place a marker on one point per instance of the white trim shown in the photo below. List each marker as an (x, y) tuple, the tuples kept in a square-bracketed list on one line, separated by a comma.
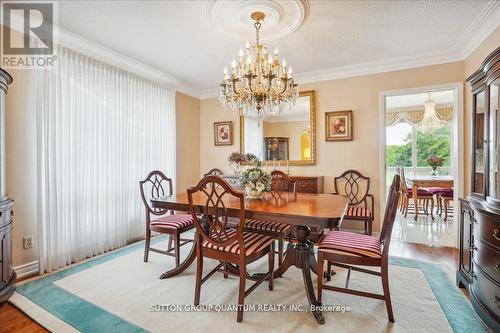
[(107, 55), (28, 269), (482, 26), (458, 139)]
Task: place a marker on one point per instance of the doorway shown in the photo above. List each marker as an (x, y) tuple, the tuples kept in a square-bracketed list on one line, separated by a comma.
[(420, 127)]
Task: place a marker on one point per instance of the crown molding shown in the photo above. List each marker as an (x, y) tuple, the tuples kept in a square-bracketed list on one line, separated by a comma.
[(107, 55), (372, 67), (482, 26)]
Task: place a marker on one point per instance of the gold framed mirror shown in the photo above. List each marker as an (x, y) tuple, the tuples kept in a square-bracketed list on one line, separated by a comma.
[(289, 137)]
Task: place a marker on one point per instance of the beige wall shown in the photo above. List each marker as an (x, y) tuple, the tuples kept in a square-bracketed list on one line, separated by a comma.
[(360, 94), (471, 64), (21, 163), (187, 113), (288, 129)]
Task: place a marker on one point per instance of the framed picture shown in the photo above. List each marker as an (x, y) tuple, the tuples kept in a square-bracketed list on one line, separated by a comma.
[(338, 126), (223, 133)]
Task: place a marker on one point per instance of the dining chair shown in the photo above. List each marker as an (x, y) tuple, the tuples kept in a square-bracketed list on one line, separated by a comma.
[(280, 183), (156, 185), (345, 249), (444, 197), (424, 196), (214, 172), (216, 239), (355, 187)]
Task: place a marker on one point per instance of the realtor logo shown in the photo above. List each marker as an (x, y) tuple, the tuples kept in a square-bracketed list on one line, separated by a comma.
[(29, 41)]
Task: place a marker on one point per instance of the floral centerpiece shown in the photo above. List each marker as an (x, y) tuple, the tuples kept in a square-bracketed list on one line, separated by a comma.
[(236, 159), (255, 180), (435, 162)]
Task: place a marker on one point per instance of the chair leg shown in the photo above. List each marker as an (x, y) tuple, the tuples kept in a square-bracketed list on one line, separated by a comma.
[(177, 245), (271, 266), (387, 293), (432, 209), (365, 229), (170, 243), (199, 272), (328, 271), (320, 276), (446, 203), (241, 296), (370, 227), (281, 242), (407, 202), (146, 244)]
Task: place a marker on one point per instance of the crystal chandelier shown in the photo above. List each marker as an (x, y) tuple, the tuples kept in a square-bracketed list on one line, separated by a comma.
[(259, 85)]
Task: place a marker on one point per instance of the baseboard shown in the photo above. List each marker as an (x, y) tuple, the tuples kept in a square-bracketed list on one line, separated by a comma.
[(26, 270)]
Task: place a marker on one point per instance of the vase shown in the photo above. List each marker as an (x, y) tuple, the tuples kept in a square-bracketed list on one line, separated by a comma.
[(434, 171), (254, 194), (237, 169)]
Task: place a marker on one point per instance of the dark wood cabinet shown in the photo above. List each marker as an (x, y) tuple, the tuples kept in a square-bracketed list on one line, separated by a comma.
[(7, 274), (479, 258), (308, 184), (465, 238), (276, 148)]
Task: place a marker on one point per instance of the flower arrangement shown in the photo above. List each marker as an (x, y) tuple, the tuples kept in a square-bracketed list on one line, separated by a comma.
[(237, 159), (255, 180), (435, 162)]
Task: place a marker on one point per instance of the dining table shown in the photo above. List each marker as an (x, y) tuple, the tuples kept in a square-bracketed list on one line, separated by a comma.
[(416, 181), (301, 210)]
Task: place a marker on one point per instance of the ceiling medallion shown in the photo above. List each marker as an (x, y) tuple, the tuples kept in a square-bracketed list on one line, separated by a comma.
[(234, 17), (259, 84)]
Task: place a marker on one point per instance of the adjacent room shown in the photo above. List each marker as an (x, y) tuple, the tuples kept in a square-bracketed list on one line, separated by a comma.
[(249, 166)]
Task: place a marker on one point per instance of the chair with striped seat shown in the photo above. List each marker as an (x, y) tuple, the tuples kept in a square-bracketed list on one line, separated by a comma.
[(281, 183), (216, 238), (154, 186), (350, 250), (355, 187)]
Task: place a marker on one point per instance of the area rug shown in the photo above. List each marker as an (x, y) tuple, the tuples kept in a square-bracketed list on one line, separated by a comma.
[(118, 292)]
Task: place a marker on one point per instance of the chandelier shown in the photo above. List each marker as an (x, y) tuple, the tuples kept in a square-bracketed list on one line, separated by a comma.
[(259, 85)]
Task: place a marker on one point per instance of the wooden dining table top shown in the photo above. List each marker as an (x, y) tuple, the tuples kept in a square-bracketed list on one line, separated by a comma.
[(430, 180), (308, 209)]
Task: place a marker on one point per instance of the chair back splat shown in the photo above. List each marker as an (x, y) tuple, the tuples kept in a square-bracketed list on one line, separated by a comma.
[(390, 214), (214, 172), (354, 186), (154, 186), (215, 193), (281, 182)]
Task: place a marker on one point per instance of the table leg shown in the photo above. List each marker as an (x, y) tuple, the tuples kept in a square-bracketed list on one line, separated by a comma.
[(415, 199), (184, 265)]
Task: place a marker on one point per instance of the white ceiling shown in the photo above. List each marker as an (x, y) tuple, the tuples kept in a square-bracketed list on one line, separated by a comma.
[(177, 37)]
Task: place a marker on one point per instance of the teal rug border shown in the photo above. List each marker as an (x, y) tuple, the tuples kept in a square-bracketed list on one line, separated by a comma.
[(457, 310), (91, 318)]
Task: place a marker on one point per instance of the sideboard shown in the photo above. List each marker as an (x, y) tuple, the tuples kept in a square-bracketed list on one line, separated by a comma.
[(479, 239)]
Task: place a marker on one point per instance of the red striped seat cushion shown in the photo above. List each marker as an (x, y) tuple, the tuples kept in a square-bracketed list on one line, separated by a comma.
[(175, 221), (253, 243), (358, 212), (348, 243), (266, 225)]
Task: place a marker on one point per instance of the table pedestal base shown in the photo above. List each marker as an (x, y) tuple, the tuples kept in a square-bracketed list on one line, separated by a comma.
[(301, 255)]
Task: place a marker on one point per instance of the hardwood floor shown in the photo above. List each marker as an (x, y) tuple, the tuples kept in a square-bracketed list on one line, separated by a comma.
[(14, 320)]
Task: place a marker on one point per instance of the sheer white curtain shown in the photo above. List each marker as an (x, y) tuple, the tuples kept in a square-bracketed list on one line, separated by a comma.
[(99, 131)]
